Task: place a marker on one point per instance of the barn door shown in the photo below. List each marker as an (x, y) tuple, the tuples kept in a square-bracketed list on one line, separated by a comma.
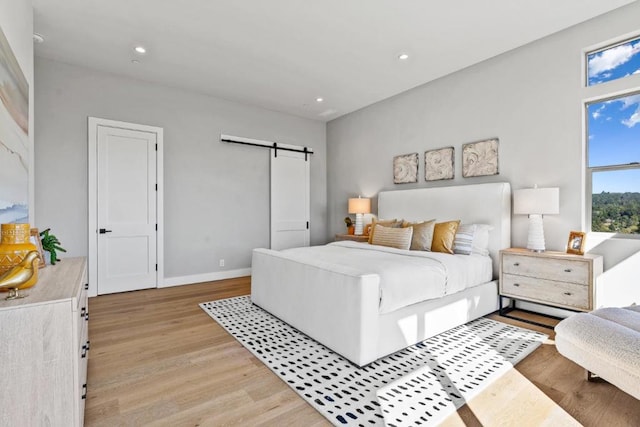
[(290, 195)]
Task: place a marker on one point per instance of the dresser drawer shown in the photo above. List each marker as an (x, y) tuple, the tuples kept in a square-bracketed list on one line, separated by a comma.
[(570, 295), (564, 270)]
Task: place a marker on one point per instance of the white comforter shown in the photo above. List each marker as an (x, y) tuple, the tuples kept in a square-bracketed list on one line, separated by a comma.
[(406, 277)]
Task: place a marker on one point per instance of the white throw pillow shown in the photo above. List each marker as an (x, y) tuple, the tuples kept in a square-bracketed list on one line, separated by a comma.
[(481, 239), (472, 239), (463, 242)]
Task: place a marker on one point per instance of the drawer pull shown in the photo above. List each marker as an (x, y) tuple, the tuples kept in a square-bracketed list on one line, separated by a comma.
[(83, 311), (86, 286), (516, 264), (568, 293), (516, 284), (568, 270), (85, 349), (84, 390)]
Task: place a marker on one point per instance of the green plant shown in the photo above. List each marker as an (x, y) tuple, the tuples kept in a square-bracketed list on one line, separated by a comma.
[(51, 244), (348, 221)]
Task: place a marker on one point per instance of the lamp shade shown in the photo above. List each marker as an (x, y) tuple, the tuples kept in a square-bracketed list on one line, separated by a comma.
[(359, 206), (536, 201)]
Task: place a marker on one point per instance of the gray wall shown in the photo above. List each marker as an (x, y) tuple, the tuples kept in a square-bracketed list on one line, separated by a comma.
[(216, 196), (530, 98)]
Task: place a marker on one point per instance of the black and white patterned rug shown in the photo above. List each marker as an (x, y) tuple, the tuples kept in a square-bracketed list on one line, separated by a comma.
[(419, 385)]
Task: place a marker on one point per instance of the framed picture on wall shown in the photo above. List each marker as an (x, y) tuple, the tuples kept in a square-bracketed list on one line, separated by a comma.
[(14, 137), (480, 158), (405, 168), (438, 164)]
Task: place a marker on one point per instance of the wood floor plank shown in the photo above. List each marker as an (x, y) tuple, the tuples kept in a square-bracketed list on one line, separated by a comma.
[(157, 359)]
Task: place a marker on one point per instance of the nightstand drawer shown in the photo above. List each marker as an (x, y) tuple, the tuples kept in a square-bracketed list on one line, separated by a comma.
[(557, 293), (565, 270)]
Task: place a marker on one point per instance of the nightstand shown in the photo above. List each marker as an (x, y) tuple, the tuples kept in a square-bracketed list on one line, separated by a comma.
[(555, 279), (352, 237)]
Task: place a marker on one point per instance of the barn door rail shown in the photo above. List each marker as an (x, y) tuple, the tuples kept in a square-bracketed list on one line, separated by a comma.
[(266, 144)]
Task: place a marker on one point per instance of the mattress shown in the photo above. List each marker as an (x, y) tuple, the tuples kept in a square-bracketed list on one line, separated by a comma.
[(406, 277)]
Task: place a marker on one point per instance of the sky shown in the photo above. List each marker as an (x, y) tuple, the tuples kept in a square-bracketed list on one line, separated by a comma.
[(614, 125)]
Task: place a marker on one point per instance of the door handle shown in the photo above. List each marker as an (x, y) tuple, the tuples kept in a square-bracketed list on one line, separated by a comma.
[(104, 230)]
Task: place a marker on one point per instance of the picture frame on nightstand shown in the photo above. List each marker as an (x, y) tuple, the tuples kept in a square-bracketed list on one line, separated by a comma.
[(575, 245)]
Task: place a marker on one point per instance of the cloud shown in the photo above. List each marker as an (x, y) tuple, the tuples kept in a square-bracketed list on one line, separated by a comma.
[(612, 58), (633, 120), (598, 112), (630, 101)]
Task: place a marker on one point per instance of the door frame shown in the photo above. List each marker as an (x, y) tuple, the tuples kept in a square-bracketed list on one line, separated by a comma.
[(92, 230)]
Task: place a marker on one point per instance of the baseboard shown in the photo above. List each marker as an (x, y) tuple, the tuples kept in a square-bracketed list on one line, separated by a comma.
[(205, 277)]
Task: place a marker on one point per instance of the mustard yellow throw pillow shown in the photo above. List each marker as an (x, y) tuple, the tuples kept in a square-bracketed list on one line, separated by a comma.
[(444, 234)]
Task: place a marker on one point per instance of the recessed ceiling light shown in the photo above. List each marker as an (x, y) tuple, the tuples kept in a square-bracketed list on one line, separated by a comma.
[(403, 56), (140, 49), (38, 38), (319, 99)]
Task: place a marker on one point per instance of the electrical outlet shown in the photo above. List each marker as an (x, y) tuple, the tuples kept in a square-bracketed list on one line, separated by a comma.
[(221, 263)]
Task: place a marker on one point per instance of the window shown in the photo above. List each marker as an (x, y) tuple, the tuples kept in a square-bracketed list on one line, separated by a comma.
[(613, 62), (613, 141)]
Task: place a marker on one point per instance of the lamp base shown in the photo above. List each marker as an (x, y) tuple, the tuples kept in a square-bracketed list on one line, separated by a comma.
[(359, 225), (535, 238)]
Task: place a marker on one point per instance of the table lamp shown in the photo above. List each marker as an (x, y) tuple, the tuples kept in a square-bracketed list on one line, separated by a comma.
[(536, 202), (359, 206)]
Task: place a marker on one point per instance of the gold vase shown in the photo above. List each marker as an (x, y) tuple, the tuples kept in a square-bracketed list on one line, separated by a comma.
[(15, 245)]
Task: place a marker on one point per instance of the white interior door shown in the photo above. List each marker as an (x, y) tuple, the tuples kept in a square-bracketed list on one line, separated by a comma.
[(290, 190), (126, 209)]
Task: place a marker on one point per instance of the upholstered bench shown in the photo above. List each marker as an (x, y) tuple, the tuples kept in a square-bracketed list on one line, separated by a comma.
[(606, 342)]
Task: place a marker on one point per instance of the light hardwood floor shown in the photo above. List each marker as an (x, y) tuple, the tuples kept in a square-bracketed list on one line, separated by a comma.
[(157, 359)]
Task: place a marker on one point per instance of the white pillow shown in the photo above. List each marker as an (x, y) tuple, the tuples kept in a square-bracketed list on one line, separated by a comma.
[(463, 242), (472, 239), (481, 239)]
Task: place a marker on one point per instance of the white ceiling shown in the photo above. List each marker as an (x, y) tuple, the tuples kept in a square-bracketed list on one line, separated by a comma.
[(283, 54)]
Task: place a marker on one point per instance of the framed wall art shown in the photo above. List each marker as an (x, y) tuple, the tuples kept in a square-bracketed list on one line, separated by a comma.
[(480, 158), (405, 168), (438, 164), (14, 137)]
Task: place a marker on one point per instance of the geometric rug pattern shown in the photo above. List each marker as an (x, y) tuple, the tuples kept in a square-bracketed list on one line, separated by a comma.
[(419, 385)]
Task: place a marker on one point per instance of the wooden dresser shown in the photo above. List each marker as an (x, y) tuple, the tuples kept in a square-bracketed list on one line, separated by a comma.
[(551, 278), (44, 349)]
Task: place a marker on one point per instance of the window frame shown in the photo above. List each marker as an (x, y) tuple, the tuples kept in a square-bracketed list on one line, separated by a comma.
[(600, 47), (590, 170)]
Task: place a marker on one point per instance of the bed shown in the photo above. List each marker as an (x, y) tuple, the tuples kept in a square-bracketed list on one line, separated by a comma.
[(339, 305)]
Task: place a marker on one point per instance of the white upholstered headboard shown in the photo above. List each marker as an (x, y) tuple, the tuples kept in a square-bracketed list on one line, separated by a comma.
[(471, 204)]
